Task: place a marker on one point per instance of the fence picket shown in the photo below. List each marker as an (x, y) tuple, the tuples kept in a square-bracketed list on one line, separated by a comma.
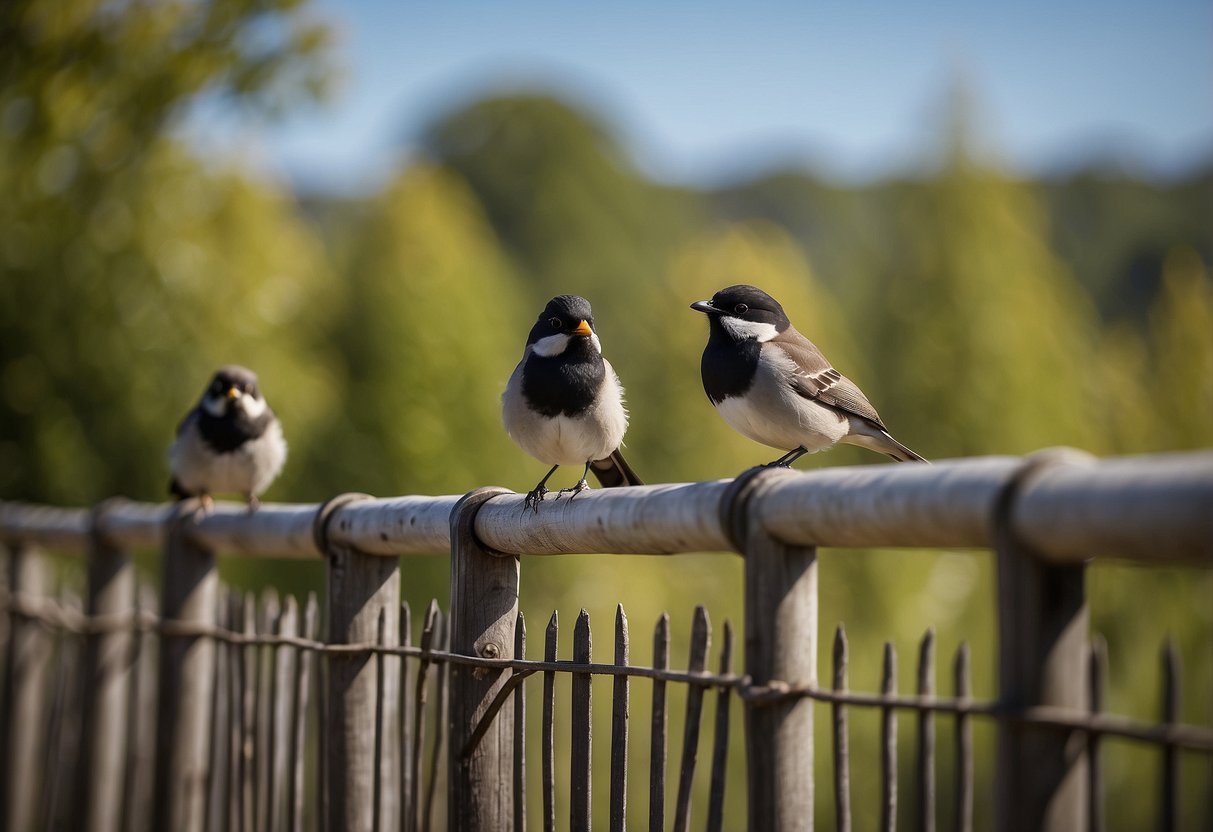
[(520, 731), (1098, 670), (442, 635), (619, 727), (263, 739), (549, 716), (235, 691), (925, 774), (305, 663), (25, 678), (108, 663), (842, 759), (187, 671), (720, 743), (888, 742), (218, 788), (249, 692), (1170, 794), (701, 637), (59, 749), (428, 626), (581, 709), (657, 743), (963, 791), (406, 705)]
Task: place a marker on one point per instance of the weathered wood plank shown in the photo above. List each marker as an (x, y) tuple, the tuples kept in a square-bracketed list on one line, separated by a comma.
[(963, 790), (924, 780), (1098, 670), (286, 660), (1169, 796), (428, 628), (888, 742), (842, 757), (305, 670), (657, 742), (619, 727), (361, 589), (408, 701), (26, 694), (1041, 773), (781, 645), (701, 639), (189, 594), (582, 742), (720, 745), (107, 665), (549, 719), (520, 732), (484, 608)]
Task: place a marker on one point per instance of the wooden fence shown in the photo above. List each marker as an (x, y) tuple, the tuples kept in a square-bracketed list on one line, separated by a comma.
[(211, 710)]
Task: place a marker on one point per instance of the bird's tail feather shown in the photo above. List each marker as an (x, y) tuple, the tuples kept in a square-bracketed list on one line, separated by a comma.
[(900, 452), (614, 471)]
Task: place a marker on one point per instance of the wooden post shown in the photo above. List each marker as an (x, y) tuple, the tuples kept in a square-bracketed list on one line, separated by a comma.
[(108, 663), (189, 596), (23, 723), (781, 645), (484, 609), (1041, 780), (360, 791)]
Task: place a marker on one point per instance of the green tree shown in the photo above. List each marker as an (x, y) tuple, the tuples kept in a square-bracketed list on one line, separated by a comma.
[(432, 330), (127, 270)]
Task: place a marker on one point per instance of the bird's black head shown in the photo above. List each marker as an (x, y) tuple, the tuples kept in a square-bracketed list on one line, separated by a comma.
[(744, 312), (233, 388), (564, 318)]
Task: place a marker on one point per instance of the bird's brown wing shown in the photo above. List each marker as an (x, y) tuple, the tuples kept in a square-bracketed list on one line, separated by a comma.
[(817, 379)]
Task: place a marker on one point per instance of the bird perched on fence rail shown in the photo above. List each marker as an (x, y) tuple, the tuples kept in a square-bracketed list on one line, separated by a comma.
[(231, 442), (772, 385), (563, 404)]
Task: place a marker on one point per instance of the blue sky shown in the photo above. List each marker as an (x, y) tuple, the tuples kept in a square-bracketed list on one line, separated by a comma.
[(705, 91)]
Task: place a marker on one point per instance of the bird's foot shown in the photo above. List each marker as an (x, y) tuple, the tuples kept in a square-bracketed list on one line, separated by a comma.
[(787, 459), (575, 490), (253, 503), (206, 507), (535, 497)]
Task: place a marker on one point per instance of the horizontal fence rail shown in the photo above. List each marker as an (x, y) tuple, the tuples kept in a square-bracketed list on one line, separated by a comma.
[(1075, 508), (242, 703)]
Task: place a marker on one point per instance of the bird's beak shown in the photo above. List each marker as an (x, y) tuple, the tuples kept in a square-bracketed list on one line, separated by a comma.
[(705, 306), (583, 328), (233, 393)]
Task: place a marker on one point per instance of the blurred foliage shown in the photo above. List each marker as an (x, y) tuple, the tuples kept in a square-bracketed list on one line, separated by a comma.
[(982, 314)]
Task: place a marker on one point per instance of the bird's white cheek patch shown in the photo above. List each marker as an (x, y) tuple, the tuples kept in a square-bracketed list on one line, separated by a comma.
[(252, 407), (551, 345), (742, 330)]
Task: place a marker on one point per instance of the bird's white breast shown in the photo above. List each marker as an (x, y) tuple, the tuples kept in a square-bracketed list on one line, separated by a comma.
[(248, 469), (566, 440), (772, 413)]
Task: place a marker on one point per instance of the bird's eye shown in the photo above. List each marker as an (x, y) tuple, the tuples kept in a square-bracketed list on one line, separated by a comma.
[(741, 309), (217, 387), (555, 323)]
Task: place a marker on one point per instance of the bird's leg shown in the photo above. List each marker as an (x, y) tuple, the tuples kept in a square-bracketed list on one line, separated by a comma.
[(535, 496), (253, 503), (787, 459), (206, 506), (578, 488)]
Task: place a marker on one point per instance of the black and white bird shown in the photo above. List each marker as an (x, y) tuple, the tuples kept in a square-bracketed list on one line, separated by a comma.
[(563, 404), (772, 385), (230, 443)]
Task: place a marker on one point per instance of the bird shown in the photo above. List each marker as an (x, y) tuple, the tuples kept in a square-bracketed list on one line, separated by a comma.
[(230, 442), (563, 404), (772, 385)]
